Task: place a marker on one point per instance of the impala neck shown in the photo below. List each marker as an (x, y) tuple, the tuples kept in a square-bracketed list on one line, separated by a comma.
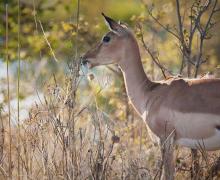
[(136, 81)]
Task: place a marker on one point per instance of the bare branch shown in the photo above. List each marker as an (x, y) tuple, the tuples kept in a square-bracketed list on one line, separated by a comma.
[(180, 22), (163, 26), (209, 20), (185, 38), (203, 34), (197, 21), (154, 59), (48, 43)]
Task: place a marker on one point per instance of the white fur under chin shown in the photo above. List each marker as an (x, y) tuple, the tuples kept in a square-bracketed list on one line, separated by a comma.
[(89, 65), (85, 69)]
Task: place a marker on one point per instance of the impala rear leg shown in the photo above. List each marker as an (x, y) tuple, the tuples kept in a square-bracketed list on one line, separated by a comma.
[(167, 149)]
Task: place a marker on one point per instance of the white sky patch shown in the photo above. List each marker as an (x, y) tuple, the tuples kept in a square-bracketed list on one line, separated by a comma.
[(3, 72), (25, 105), (1, 98)]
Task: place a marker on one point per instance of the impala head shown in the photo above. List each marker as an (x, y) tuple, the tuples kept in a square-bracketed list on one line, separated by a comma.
[(112, 48)]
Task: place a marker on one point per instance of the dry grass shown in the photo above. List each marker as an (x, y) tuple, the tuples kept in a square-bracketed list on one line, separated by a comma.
[(61, 140)]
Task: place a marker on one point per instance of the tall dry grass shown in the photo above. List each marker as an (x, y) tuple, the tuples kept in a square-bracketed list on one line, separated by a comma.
[(62, 140)]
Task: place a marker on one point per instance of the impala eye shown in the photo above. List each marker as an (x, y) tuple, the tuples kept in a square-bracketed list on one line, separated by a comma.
[(106, 39)]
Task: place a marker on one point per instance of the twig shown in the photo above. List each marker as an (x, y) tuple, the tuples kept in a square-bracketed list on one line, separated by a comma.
[(180, 23), (197, 21), (203, 34), (3, 172), (34, 14), (48, 43), (209, 20), (154, 59), (159, 23), (183, 44), (172, 134)]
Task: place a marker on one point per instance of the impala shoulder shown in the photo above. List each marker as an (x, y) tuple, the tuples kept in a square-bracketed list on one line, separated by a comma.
[(178, 82), (173, 81)]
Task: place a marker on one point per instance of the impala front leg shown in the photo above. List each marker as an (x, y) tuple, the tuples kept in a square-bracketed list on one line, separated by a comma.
[(167, 148)]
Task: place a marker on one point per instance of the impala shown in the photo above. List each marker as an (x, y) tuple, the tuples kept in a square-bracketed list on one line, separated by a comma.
[(182, 112)]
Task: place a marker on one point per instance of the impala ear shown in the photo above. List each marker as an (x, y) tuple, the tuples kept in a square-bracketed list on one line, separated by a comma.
[(113, 25)]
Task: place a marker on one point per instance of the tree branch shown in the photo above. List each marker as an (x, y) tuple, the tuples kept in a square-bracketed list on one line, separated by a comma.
[(209, 20), (159, 23), (180, 23), (203, 34), (197, 21), (154, 59)]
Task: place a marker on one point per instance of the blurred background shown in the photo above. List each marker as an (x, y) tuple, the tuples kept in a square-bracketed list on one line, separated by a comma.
[(59, 120)]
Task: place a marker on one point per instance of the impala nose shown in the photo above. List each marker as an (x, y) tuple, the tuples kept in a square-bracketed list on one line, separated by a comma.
[(83, 61)]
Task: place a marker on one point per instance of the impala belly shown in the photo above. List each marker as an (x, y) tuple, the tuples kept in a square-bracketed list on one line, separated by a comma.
[(211, 143), (197, 130)]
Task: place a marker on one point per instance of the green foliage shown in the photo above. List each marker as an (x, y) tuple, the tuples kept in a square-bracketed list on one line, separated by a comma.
[(59, 24)]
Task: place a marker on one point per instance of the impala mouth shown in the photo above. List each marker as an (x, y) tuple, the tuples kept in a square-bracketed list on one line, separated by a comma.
[(84, 62), (87, 63)]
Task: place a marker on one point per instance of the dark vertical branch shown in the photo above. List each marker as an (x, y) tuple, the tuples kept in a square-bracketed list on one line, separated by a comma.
[(74, 70), (195, 164), (203, 34), (180, 24), (182, 65), (186, 51)]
